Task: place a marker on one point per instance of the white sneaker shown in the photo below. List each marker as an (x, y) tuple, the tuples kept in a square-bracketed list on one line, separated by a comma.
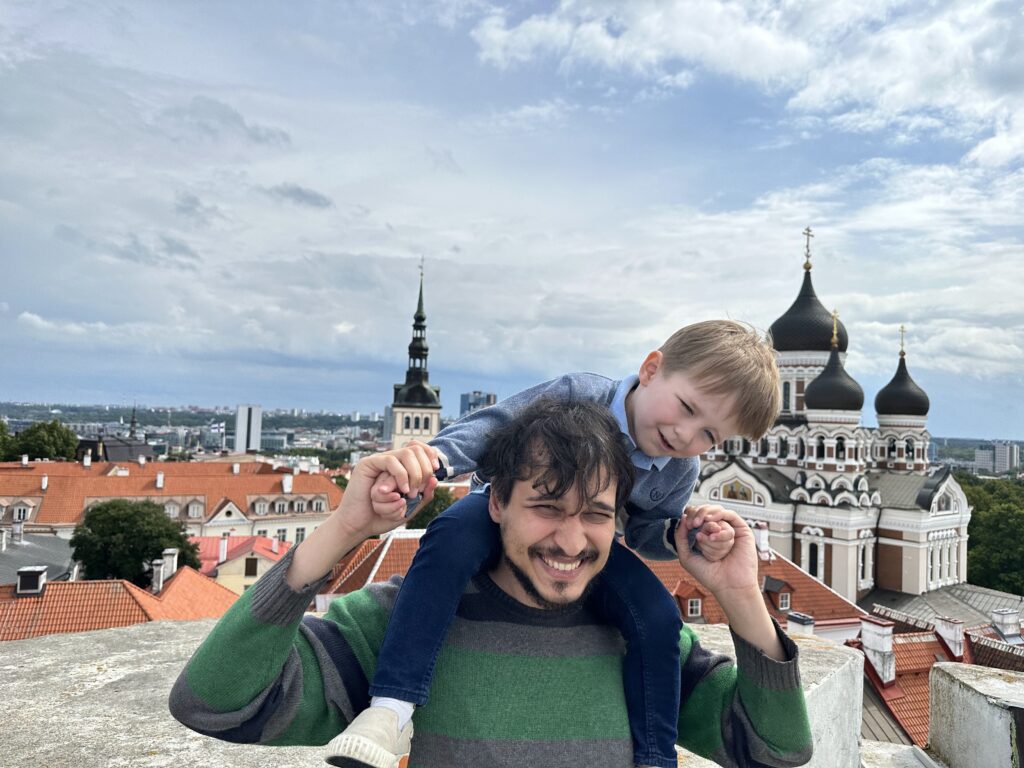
[(372, 738)]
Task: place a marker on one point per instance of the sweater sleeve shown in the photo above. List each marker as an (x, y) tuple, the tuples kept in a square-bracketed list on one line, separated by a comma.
[(463, 442), (751, 713), (267, 675), (648, 530)]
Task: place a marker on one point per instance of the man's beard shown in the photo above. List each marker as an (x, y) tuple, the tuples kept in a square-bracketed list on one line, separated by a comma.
[(530, 588)]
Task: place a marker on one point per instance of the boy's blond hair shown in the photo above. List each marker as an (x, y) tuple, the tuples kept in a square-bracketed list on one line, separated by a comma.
[(729, 358)]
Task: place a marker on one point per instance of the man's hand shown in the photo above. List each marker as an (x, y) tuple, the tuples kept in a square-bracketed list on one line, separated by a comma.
[(373, 503), (732, 580)]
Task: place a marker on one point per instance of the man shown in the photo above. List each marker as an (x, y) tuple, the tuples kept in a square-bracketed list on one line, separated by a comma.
[(528, 675)]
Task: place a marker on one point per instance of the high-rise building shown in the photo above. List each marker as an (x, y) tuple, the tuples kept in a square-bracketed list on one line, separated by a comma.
[(1006, 456), (475, 400), (248, 428), (984, 459), (416, 409)]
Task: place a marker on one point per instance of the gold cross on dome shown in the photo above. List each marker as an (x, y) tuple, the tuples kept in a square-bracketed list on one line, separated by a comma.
[(807, 249)]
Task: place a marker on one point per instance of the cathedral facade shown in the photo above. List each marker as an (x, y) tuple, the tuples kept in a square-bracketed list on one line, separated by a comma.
[(857, 507)]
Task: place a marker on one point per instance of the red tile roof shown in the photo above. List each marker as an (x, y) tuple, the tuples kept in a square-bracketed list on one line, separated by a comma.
[(81, 606), (238, 546), (72, 486)]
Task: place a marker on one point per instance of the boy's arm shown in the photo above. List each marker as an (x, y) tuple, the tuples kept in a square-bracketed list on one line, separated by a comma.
[(751, 713), (462, 443), (651, 532)]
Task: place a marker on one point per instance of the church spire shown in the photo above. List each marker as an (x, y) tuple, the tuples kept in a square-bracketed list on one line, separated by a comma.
[(134, 426), (417, 389)]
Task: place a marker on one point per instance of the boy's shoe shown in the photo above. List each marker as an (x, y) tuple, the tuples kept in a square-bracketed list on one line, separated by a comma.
[(372, 738)]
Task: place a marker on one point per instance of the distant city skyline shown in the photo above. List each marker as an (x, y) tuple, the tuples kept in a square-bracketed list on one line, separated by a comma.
[(229, 203)]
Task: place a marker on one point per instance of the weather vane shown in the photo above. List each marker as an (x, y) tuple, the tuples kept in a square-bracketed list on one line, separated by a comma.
[(807, 249)]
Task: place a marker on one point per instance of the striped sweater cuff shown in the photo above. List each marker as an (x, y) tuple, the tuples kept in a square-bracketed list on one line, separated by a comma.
[(274, 602), (765, 671)]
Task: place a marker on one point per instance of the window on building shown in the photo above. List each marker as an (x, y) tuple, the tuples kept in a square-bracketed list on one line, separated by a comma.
[(282, 534), (408, 423), (225, 534), (426, 422), (693, 607), (261, 532), (300, 505), (195, 509), (171, 510), (784, 601), (785, 395), (318, 505), (812, 561), (840, 449), (908, 451), (251, 566), (300, 535), (262, 507), (280, 507), (416, 423), (21, 513)]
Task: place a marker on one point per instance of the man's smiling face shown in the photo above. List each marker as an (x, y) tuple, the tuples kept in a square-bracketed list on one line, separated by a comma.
[(553, 547)]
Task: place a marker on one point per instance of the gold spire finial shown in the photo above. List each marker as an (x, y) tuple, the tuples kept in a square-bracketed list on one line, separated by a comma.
[(835, 327), (903, 333), (807, 249)]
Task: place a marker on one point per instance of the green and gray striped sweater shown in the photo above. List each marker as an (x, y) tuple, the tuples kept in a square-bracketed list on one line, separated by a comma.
[(513, 686)]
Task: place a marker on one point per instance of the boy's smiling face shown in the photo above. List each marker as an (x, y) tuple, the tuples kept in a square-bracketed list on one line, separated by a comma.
[(670, 415)]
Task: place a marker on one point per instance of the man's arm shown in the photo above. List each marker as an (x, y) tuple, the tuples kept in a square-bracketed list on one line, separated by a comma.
[(267, 675), (762, 715)]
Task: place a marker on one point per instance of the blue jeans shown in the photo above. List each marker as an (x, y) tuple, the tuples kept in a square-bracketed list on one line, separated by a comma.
[(456, 545)]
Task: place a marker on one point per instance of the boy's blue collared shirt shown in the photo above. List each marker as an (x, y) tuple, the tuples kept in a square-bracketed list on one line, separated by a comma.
[(618, 409)]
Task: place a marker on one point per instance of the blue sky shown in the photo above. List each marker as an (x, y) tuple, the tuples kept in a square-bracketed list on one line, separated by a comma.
[(219, 203)]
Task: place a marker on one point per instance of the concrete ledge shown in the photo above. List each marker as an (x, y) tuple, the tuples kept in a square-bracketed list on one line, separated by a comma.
[(833, 679), (99, 699), (977, 716)]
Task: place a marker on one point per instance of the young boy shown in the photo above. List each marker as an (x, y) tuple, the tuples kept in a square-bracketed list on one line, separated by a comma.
[(707, 382)]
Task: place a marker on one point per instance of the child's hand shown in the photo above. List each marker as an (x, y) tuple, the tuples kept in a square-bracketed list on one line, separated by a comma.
[(715, 538)]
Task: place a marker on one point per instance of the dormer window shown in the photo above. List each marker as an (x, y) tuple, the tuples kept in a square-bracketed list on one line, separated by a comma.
[(300, 505), (31, 580), (171, 510), (784, 601), (693, 607), (20, 513), (318, 505), (195, 509), (280, 507), (262, 507)]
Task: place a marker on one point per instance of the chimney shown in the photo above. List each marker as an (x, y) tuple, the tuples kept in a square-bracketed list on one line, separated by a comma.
[(286, 483), (31, 580), (87, 459), (170, 561), (142, 461), (24, 459), (296, 470), (876, 639), (17, 529), (236, 468), (1007, 622), (158, 576), (3, 541), (45, 481), (952, 632), (764, 549), (274, 545), (160, 480), (222, 551), (799, 624)]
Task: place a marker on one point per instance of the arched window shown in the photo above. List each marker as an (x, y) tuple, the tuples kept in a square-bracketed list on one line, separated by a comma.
[(785, 395), (408, 422), (764, 447), (840, 449), (801, 449), (416, 423), (908, 451), (426, 423), (783, 448), (812, 560), (820, 452), (892, 448)]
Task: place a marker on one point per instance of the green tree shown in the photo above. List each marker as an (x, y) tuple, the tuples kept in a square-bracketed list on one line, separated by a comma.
[(341, 481), (119, 538), (6, 454), (441, 501), (996, 559), (45, 440)]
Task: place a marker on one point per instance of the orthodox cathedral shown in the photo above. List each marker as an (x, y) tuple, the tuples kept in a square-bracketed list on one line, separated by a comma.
[(857, 507)]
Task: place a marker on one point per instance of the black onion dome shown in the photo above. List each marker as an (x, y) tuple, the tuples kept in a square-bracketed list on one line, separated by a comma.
[(834, 389), (806, 325), (902, 396)]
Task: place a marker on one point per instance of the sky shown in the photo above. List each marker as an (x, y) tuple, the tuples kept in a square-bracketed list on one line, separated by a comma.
[(223, 203)]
